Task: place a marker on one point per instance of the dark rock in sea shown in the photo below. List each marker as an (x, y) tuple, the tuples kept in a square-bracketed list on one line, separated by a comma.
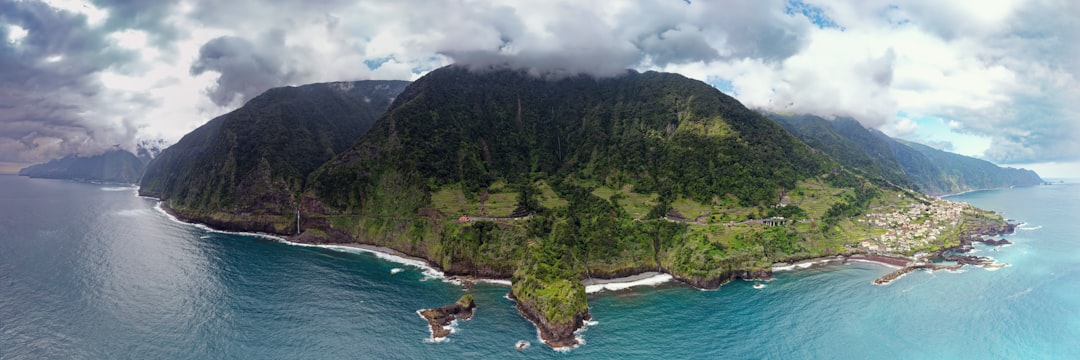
[(970, 260), (993, 242), (440, 318), (715, 282)]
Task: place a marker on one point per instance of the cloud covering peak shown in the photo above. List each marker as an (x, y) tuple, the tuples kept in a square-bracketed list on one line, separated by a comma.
[(83, 76)]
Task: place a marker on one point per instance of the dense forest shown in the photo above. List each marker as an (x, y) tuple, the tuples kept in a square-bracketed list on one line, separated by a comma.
[(253, 160)]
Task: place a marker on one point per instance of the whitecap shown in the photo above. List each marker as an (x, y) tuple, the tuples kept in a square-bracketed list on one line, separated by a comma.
[(116, 188), (130, 212), (396, 270), (616, 286), (500, 282), (805, 264)]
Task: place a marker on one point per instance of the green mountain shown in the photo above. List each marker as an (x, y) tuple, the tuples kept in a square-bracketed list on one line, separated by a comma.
[(499, 174), (593, 164), (547, 182), (847, 141), (114, 166), (242, 170), (961, 173), (906, 164)]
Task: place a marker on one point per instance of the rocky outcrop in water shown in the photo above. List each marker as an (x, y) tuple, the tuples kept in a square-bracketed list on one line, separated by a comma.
[(440, 318), (716, 282), (555, 334)]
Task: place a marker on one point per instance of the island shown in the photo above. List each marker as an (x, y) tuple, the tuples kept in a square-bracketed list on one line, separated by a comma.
[(440, 319)]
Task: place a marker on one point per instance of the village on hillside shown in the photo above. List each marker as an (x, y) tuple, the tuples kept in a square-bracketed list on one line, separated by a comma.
[(914, 227)]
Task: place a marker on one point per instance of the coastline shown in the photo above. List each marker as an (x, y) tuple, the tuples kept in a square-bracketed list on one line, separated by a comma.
[(901, 266), (891, 261), (651, 278), (592, 285)]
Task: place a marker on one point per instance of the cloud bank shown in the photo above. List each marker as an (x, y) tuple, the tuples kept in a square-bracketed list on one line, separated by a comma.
[(83, 76)]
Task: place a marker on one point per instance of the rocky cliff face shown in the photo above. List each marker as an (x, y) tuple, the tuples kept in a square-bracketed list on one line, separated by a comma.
[(555, 334), (254, 160), (716, 282)]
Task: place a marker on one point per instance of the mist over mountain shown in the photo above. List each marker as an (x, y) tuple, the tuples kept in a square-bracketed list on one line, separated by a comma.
[(148, 149), (113, 166)]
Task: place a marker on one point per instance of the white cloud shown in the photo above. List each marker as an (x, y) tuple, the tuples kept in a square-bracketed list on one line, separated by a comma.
[(94, 15), (16, 34), (1008, 71)]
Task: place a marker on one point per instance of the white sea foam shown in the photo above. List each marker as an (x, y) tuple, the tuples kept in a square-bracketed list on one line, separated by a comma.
[(118, 188), (616, 286), (500, 282), (804, 264), (577, 335), (1026, 227), (396, 270), (130, 212), (428, 271)]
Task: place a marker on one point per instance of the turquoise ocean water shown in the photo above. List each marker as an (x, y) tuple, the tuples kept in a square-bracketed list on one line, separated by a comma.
[(93, 271)]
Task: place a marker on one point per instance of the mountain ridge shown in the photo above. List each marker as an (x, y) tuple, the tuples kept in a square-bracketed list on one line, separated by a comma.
[(113, 166), (902, 162)]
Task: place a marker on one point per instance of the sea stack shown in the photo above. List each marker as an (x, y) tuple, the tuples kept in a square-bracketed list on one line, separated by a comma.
[(440, 318)]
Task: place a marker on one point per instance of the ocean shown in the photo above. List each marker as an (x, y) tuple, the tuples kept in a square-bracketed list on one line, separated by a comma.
[(94, 271)]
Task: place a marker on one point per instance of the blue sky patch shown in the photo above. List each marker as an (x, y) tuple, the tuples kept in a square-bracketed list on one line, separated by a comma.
[(815, 14)]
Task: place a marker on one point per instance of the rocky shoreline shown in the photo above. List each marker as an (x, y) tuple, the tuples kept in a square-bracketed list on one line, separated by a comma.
[(555, 335), (954, 254), (562, 335)]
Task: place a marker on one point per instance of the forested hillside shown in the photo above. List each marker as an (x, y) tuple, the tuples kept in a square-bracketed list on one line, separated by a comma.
[(903, 163), (243, 169), (549, 181)]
